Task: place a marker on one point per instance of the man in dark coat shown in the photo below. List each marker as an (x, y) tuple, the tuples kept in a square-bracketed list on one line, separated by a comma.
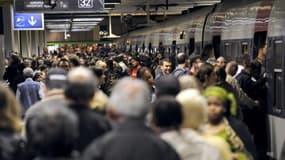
[(255, 87), (79, 91), (131, 139)]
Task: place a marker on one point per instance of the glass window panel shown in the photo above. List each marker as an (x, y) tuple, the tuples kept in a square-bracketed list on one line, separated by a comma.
[(278, 51), (234, 52), (277, 91), (227, 50), (244, 48)]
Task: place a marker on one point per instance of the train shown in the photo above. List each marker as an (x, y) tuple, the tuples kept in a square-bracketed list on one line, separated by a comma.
[(234, 28)]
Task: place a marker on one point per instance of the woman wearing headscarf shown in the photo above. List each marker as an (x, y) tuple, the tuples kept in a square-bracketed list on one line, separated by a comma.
[(194, 107), (221, 122), (168, 120)]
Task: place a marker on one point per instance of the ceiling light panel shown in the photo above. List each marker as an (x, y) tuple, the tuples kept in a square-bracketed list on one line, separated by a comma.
[(57, 30), (58, 26), (57, 20), (87, 19), (85, 22), (81, 30)]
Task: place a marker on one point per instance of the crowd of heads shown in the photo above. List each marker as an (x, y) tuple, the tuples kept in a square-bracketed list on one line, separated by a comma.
[(132, 82)]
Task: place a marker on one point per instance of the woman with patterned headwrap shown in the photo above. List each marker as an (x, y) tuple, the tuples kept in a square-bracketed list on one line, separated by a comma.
[(221, 122)]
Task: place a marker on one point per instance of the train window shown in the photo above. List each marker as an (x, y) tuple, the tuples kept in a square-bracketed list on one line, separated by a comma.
[(191, 45), (198, 49), (244, 48), (234, 52), (278, 52), (278, 74), (277, 103), (227, 49)]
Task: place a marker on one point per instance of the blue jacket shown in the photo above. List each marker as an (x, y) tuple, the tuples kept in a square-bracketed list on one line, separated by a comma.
[(28, 93)]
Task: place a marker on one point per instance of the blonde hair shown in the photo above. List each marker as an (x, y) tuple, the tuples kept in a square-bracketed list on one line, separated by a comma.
[(194, 108), (101, 64), (9, 110)]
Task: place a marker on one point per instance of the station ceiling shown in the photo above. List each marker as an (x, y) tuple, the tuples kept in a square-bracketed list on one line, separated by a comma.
[(157, 7), (122, 8), (87, 21)]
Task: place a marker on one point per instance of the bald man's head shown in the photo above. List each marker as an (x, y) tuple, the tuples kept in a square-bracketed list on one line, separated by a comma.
[(81, 85)]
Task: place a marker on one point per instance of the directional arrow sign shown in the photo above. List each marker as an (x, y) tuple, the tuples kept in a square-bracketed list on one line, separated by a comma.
[(32, 21), (28, 21)]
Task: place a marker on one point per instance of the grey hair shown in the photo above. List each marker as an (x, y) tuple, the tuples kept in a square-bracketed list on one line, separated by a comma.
[(130, 98), (52, 127), (28, 72), (56, 78), (82, 75), (187, 82)]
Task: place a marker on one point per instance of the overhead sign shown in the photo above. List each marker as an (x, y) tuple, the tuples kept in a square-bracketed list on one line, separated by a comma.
[(28, 21), (59, 6)]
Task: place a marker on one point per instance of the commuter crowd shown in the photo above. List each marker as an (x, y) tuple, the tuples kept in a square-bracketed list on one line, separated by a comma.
[(101, 104)]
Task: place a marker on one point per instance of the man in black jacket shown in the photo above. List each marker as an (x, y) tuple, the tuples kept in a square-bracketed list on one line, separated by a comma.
[(132, 139), (79, 91)]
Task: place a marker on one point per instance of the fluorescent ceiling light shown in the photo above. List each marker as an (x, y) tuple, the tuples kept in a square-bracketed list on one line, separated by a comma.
[(87, 19), (57, 20), (114, 3), (58, 26), (85, 23), (81, 27), (54, 30), (81, 30), (108, 8)]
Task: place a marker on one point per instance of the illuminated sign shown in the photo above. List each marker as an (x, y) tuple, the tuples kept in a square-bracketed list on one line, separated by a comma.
[(59, 6), (28, 21)]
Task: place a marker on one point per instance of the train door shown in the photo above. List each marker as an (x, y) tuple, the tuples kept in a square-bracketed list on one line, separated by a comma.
[(259, 40), (276, 77), (173, 47), (216, 45), (150, 48), (186, 48), (198, 48), (191, 45), (275, 65), (131, 48), (136, 48), (143, 47)]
